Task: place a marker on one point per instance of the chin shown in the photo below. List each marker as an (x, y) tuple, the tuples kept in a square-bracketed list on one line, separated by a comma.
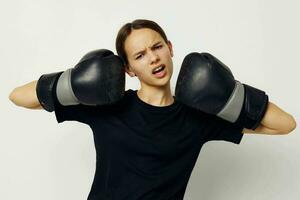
[(163, 82)]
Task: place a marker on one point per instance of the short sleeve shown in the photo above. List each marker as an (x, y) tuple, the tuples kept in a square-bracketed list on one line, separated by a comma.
[(220, 129), (84, 113), (80, 113)]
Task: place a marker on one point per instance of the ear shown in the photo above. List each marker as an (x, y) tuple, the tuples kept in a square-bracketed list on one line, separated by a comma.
[(170, 47), (129, 71)]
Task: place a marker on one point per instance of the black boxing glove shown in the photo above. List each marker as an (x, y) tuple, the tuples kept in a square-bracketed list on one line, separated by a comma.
[(205, 83), (98, 79)]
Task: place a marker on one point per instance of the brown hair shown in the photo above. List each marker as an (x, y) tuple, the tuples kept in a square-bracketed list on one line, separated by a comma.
[(126, 30)]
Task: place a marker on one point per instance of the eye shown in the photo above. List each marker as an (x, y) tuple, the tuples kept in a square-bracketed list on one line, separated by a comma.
[(158, 47), (138, 57)]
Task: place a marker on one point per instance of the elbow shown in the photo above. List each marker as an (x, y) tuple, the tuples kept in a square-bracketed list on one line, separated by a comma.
[(13, 96), (20, 98), (25, 96), (291, 125)]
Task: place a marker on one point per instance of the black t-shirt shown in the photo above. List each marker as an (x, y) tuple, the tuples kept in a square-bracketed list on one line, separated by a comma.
[(143, 151)]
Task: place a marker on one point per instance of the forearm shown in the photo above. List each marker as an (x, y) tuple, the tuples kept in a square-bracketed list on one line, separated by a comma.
[(25, 96), (275, 121)]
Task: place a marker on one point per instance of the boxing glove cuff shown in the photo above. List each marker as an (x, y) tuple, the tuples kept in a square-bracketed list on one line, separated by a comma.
[(64, 91), (254, 108), (45, 90), (233, 107)]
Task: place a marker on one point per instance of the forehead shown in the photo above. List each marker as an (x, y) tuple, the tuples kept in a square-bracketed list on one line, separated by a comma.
[(140, 39)]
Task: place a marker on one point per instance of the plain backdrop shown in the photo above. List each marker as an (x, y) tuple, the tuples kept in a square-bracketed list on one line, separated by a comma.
[(257, 39)]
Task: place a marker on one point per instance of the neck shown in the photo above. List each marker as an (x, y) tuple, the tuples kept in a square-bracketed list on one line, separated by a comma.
[(156, 96)]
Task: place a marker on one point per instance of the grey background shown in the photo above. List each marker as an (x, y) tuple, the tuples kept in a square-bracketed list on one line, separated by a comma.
[(257, 39)]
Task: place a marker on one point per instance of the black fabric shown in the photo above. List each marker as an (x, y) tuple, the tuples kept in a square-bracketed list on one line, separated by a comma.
[(144, 151)]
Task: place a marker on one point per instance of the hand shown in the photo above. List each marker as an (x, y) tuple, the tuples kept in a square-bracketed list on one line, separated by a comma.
[(98, 79), (206, 84)]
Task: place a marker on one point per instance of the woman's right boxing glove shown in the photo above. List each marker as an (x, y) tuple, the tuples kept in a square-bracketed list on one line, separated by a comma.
[(205, 83)]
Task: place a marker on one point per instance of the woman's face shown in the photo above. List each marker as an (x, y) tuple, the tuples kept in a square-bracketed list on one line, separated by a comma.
[(146, 50)]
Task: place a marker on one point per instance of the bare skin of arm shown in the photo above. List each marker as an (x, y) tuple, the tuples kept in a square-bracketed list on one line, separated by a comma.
[(275, 122), (25, 96)]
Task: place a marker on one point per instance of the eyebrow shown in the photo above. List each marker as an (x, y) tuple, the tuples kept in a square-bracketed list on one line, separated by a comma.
[(145, 50)]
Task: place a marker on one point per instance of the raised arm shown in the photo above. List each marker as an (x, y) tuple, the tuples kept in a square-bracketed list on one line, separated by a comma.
[(205, 83), (98, 79), (25, 96), (275, 122)]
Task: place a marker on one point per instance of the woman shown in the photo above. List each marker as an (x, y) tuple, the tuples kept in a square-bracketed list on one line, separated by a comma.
[(148, 142)]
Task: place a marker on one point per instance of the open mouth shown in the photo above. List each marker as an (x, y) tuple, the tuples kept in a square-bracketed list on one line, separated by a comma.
[(160, 72), (158, 69)]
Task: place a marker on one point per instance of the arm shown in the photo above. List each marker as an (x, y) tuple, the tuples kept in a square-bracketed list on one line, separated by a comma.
[(275, 122), (25, 96), (82, 84)]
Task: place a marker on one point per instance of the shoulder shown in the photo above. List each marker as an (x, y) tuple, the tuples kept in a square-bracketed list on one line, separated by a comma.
[(122, 103)]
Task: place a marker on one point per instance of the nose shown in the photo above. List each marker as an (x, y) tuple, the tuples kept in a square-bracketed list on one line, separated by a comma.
[(153, 57)]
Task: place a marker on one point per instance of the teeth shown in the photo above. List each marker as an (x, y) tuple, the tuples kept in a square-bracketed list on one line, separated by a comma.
[(157, 69)]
